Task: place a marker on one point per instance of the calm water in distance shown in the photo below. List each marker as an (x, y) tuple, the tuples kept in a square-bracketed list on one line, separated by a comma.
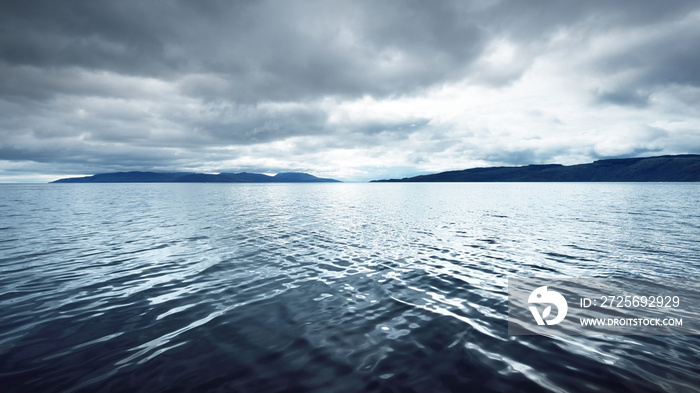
[(328, 287)]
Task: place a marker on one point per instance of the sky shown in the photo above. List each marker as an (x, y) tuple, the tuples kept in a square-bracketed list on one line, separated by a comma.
[(352, 90)]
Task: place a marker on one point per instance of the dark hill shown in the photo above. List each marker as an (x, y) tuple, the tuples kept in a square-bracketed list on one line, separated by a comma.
[(679, 168), (155, 177)]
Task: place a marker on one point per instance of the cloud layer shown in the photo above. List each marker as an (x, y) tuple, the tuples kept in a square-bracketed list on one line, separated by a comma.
[(353, 90)]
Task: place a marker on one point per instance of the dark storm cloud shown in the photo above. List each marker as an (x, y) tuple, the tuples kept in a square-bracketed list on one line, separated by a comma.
[(669, 57), (289, 50), (167, 83), (242, 125), (258, 50), (81, 158), (630, 97), (90, 34)]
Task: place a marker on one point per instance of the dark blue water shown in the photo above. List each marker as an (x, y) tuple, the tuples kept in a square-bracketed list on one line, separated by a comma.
[(328, 287)]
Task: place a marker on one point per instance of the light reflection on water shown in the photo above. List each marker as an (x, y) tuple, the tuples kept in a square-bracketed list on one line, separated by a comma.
[(328, 287)]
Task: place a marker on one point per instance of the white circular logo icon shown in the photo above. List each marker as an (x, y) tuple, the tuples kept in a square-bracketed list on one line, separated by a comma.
[(542, 296)]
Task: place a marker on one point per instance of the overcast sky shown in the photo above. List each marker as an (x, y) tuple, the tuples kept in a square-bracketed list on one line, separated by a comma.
[(354, 90)]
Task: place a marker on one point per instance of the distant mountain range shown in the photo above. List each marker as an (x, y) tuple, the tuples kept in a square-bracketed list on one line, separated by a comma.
[(156, 177), (678, 168)]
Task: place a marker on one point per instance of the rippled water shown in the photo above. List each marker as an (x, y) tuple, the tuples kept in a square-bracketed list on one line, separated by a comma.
[(328, 287)]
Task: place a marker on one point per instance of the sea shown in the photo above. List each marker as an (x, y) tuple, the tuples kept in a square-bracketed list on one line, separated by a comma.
[(358, 287)]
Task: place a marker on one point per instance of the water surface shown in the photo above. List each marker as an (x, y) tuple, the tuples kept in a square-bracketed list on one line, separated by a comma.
[(328, 287)]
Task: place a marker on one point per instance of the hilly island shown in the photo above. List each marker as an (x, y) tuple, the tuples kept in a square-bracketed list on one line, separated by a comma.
[(675, 168), (184, 177)]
